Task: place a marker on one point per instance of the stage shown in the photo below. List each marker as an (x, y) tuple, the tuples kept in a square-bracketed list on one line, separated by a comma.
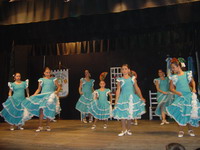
[(72, 134)]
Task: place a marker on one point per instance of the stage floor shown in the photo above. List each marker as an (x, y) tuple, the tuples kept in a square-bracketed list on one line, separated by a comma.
[(72, 134)]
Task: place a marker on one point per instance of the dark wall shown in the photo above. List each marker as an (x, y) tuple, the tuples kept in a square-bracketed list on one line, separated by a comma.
[(5, 50), (144, 63), (141, 38), (104, 26), (27, 11)]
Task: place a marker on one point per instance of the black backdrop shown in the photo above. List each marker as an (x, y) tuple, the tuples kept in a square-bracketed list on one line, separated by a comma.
[(144, 61), (142, 38), (96, 63)]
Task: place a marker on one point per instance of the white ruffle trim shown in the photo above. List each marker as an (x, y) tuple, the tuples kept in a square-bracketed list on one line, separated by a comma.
[(55, 79), (8, 111), (90, 100), (10, 85), (83, 81), (93, 82), (111, 109), (122, 82), (189, 75), (133, 79), (174, 79), (156, 80), (194, 112), (131, 107), (27, 83), (101, 114), (130, 118), (107, 92), (96, 104), (58, 109), (96, 93), (26, 115), (41, 82), (11, 99), (51, 98)]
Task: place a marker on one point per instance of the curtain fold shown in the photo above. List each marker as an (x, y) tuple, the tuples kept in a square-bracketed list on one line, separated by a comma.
[(29, 11), (169, 41)]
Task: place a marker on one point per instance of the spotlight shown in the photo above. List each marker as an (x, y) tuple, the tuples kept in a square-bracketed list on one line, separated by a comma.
[(12, 1), (66, 1)]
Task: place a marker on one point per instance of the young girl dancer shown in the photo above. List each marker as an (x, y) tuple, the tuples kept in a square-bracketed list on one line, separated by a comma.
[(100, 108), (164, 97), (185, 108), (128, 105), (13, 111), (85, 90), (44, 105)]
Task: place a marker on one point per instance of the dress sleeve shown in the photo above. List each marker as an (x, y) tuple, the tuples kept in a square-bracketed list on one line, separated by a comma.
[(133, 79), (27, 83), (156, 80), (40, 81), (189, 76), (174, 79), (96, 93), (83, 81), (121, 81), (55, 79), (93, 82), (10, 85), (108, 91)]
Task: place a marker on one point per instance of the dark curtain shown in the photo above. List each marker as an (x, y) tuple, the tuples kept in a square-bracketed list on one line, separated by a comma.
[(173, 41), (145, 52), (144, 62), (27, 11), (108, 26), (5, 59), (142, 38)]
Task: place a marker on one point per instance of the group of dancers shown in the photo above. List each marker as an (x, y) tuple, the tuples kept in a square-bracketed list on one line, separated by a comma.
[(175, 95), (17, 108)]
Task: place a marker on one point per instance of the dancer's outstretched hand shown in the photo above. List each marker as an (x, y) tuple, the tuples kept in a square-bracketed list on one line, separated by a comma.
[(194, 90), (143, 99)]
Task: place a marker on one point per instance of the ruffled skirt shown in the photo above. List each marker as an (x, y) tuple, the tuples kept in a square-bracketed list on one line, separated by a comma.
[(13, 112), (84, 103), (164, 100), (185, 110), (100, 110), (129, 107), (48, 102)]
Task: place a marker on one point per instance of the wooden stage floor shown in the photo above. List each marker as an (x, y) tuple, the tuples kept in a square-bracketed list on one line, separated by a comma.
[(72, 134)]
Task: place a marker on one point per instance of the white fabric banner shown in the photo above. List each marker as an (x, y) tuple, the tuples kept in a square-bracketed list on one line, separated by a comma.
[(63, 80)]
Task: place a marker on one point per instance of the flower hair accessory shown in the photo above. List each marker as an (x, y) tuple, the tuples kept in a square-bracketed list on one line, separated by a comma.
[(182, 61), (174, 60), (103, 76)]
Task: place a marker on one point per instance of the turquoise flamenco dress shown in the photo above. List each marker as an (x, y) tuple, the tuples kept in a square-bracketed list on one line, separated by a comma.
[(129, 105), (186, 108), (163, 100), (87, 97), (13, 112), (46, 100), (101, 108)]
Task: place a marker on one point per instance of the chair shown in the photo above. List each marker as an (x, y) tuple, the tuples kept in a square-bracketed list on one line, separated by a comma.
[(152, 104)]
